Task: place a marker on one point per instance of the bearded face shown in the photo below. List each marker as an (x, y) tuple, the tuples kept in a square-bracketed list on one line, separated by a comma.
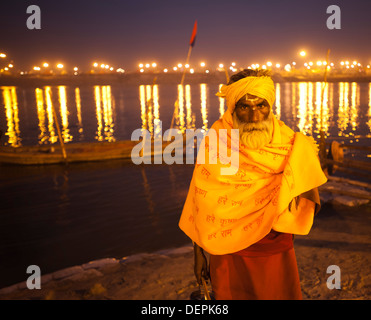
[(253, 117)]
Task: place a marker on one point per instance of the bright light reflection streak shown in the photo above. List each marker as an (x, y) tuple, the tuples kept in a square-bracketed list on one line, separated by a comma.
[(108, 113), (286, 98), (104, 111), (221, 103), (278, 101), (343, 111), (354, 106), (149, 108), (64, 113), (203, 106), (11, 113), (310, 109), (142, 98), (325, 110), (43, 137), (190, 116), (156, 111), (331, 99), (49, 111), (318, 104), (293, 100), (302, 106), (78, 108), (98, 112), (181, 108)]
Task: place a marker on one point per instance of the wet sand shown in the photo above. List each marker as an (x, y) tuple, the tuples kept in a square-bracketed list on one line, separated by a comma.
[(340, 236)]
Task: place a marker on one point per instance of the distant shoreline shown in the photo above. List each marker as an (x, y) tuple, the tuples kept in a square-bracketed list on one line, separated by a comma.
[(158, 78)]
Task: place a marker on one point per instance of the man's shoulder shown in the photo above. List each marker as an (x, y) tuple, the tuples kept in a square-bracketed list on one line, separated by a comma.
[(218, 124), (286, 131)]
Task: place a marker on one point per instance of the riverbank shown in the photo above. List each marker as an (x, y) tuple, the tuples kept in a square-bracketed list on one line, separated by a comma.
[(340, 236), (162, 78)]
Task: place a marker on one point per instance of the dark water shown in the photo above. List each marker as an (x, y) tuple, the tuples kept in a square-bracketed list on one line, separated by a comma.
[(56, 217)]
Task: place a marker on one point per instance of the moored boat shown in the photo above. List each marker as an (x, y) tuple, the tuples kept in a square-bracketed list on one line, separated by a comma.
[(84, 152), (75, 152)]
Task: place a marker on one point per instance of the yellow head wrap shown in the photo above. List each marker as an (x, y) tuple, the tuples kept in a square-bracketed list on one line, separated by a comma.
[(262, 87)]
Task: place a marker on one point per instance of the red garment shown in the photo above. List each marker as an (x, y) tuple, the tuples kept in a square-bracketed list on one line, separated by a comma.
[(267, 270)]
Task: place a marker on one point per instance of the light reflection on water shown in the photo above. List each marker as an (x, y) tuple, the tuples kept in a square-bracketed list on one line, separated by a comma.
[(11, 115), (345, 110), (105, 113)]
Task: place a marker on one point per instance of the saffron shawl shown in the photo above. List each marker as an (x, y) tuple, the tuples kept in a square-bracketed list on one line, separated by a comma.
[(227, 213)]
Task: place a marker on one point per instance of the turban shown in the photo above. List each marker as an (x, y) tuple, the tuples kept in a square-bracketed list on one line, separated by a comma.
[(262, 87)]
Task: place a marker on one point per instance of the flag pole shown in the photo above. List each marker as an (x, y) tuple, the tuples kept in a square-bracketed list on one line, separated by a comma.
[(59, 135), (176, 104), (187, 62), (191, 44)]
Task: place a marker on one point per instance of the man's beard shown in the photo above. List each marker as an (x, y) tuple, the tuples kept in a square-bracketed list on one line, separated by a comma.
[(254, 135)]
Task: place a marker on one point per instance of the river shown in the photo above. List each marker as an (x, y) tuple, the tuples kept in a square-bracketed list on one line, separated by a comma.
[(57, 217)]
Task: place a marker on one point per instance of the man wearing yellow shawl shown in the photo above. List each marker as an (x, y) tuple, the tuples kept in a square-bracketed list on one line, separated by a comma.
[(246, 221)]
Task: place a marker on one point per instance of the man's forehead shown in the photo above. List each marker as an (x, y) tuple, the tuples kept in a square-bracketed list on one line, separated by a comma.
[(250, 98)]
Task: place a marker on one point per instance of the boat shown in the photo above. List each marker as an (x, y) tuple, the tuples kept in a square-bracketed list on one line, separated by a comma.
[(80, 152), (75, 152)]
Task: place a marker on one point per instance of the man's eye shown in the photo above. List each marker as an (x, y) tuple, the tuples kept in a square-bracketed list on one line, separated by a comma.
[(245, 107)]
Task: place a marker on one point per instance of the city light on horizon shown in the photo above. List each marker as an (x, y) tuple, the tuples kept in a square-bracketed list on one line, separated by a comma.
[(155, 67), (155, 62), (198, 67)]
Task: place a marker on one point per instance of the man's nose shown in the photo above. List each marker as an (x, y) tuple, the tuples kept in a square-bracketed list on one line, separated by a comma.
[(254, 115)]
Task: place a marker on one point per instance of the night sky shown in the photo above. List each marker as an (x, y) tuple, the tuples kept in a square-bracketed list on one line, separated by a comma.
[(124, 33)]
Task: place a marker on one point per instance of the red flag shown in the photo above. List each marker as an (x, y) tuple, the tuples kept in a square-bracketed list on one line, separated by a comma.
[(194, 33)]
